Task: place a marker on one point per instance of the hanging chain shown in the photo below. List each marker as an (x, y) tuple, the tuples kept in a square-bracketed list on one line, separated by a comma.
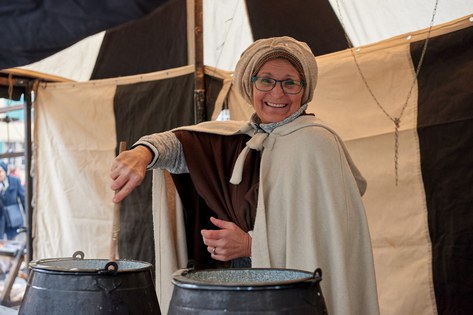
[(396, 120)]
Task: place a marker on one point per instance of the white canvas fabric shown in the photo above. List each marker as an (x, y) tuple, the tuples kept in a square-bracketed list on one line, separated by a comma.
[(74, 143), (74, 63), (74, 146)]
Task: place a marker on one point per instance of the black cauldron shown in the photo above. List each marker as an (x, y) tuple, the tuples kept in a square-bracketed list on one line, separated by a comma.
[(247, 291), (69, 286)]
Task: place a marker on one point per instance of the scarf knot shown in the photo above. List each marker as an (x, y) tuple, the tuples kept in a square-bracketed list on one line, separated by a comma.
[(256, 143), (259, 133)]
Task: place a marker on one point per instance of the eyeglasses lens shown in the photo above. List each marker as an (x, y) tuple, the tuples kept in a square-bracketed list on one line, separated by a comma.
[(267, 84)]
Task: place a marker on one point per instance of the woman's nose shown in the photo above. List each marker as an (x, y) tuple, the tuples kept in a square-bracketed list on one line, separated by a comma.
[(278, 90)]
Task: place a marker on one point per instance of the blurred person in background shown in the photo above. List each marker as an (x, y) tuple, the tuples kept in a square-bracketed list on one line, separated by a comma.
[(12, 195)]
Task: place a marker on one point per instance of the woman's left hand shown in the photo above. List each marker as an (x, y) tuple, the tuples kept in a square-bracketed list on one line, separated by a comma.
[(228, 243)]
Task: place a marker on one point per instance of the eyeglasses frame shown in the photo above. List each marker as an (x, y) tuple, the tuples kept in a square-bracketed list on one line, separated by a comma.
[(254, 78)]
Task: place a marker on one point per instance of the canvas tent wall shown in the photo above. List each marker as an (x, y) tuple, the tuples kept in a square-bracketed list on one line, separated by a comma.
[(419, 227)]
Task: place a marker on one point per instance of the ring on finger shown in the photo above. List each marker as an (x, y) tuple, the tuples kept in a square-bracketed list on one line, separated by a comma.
[(213, 251)]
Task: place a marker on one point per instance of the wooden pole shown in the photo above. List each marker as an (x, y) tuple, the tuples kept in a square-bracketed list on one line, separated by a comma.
[(199, 78), (116, 218)]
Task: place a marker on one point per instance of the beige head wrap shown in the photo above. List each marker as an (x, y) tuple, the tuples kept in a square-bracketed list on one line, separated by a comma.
[(263, 50)]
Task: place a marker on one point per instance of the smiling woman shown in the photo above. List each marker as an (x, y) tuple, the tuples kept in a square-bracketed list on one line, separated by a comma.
[(278, 102), (279, 191)]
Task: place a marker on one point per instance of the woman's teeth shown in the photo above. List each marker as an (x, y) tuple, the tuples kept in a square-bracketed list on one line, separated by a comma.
[(275, 105)]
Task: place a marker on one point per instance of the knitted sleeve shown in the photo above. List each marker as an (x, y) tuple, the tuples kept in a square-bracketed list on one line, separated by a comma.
[(167, 150)]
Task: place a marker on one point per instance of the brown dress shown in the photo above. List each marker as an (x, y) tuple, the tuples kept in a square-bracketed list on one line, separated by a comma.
[(206, 190)]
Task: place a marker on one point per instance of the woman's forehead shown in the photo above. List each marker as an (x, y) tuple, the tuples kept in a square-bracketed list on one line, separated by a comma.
[(279, 66)]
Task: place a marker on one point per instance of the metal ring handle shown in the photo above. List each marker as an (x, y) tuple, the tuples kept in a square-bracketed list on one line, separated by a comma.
[(111, 267), (78, 255)]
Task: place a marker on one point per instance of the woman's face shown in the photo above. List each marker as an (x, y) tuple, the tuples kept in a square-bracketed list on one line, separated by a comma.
[(275, 105), (3, 175)]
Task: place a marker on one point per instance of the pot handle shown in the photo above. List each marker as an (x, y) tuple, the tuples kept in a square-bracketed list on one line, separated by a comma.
[(316, 278), (78, 255), (317, 274), (110, 268)]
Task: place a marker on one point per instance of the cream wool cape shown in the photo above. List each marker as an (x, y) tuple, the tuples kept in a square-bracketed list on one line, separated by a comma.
[(309, 214)]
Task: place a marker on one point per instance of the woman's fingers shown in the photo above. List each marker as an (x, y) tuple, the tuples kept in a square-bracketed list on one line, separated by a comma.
[(222, 223), (128, 171), (125, 184), (121, 193), (229, 242)]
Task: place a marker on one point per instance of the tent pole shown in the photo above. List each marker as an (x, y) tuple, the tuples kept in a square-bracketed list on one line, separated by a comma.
[(28, 107), (199, 89)]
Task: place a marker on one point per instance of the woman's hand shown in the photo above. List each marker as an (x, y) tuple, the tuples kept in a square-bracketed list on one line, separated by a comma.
[(228, 243), (128, 171)]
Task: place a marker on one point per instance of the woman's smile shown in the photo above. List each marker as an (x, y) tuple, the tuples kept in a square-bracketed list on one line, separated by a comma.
[(275, 105)]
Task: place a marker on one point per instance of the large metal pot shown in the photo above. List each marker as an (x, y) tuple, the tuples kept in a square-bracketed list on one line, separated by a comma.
[(247, 291), (75, 285)]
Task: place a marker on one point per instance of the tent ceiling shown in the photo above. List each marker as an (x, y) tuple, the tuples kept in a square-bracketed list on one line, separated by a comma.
[(229, 27), (32, 30)]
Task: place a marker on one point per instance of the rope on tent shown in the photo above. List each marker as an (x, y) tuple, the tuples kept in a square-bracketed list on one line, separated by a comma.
[(396, 120)]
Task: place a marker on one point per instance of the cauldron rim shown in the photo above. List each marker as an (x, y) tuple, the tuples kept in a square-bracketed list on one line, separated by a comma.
[(40, 265), (179, 279)]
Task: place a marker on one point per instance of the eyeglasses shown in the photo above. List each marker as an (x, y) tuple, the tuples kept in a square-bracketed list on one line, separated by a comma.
[(289, 86)]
